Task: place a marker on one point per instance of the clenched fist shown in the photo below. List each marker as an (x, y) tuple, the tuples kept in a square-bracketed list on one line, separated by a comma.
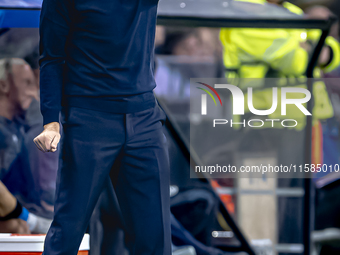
[(49, 138)]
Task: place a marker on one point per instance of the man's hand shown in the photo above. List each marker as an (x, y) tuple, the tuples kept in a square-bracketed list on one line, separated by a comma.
[(49, 138), (18, 226)]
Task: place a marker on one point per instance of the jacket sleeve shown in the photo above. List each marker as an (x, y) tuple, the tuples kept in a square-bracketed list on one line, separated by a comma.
[(335, 54), (332, 43), (54, 30), (278, 48)]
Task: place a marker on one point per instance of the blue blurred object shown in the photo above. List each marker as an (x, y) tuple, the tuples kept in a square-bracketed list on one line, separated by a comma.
[(20, 3), (15, 171), (19, 18), (24, 214), (2, 17), (14, 13)]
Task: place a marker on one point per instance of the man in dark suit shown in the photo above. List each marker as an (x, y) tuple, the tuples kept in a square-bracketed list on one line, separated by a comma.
[(96, 68)]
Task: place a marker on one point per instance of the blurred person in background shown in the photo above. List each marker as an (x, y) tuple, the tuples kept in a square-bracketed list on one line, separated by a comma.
[(15, 218), (17, 91), (169, 79), (180, 55), (322, 12), (196, 42), (12, 215), (281, 53)]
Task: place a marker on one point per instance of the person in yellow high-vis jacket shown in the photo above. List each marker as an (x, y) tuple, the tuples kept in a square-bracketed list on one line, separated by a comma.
[(278, 53)]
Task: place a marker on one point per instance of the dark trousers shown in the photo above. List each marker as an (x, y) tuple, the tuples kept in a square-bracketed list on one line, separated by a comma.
[(130, 150), (106, 229)]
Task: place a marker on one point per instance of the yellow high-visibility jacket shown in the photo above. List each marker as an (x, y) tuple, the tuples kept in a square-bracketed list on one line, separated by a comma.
[(275, 53)]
